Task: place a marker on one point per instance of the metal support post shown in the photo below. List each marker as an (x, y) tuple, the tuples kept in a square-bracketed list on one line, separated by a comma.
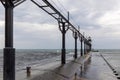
[(81, 46), (89, 41), (75, 45), (84, 47), (9, 51), (63, 57), (9, 63), (63, 28), (75, 35), (90, 47), (87, 48)]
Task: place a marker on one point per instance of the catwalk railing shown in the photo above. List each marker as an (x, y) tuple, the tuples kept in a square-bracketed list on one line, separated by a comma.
[(64, 26)]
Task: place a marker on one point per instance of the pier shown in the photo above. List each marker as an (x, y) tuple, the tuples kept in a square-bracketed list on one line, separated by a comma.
[(90, 67), (87, 65)]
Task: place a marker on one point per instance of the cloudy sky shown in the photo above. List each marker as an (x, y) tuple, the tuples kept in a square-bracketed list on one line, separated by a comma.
[(33, 28)]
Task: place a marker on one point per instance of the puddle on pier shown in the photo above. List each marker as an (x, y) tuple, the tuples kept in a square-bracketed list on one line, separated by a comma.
[(80, 74), (95, 69)]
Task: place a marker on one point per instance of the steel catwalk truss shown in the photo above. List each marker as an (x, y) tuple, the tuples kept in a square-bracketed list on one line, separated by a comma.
[(57, 15)]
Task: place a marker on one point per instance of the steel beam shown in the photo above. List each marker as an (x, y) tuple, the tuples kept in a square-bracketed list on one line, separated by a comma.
[(84, 48), (60, 17), (81, 46), (9, 51), (75, 35), (57, 13), (63, 28)]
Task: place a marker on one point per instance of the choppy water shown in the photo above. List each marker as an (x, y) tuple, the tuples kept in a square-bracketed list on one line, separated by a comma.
[(25, 57), (31, 57)]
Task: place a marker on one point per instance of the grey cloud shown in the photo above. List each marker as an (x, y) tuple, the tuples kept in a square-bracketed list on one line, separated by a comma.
[(106, 43), (84, 8), (29, 12), (85, 13)]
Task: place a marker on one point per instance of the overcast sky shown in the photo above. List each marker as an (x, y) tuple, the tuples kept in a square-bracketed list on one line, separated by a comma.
[(35, 29)]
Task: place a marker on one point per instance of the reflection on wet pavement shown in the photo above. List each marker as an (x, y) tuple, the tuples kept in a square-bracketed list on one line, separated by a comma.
[(95, 69), (89, 68)]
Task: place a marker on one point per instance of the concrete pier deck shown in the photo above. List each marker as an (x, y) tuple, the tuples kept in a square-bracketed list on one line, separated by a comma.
[(54, 70), (84, 68), (98, 69)]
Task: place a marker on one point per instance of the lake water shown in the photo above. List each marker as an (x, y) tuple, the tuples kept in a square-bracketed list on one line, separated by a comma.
[(31, 57)]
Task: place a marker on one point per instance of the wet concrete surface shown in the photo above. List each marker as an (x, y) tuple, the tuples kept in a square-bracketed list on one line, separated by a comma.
[(61, 72), (84, 68), (96, 69), (46, 68)]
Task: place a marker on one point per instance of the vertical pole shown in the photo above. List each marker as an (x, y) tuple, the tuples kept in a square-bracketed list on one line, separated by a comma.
[(84, 43), (75, 45), (9, 51), (81, 47), (63, 56), (84, 47), (78, 35), (87, 48), (90, 47)]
